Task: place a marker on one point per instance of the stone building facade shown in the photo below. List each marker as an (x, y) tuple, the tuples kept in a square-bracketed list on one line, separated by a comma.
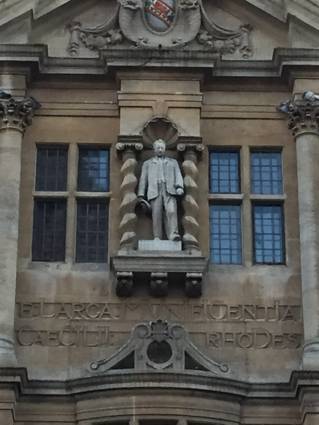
[(99, 324)]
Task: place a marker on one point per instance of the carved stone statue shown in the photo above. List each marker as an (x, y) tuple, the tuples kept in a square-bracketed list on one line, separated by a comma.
[(161, 182)]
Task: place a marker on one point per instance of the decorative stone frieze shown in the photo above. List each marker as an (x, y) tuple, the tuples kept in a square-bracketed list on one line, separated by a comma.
[(128, 151), (160, 346), (303, 113), (150, 24), (191, 153), (16, 113)]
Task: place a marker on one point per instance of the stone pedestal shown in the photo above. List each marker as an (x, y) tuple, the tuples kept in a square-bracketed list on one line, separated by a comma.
[(158, 268), (15, 115)]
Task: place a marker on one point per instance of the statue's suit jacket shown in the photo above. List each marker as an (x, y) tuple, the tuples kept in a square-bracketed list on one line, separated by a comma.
[(150, 173)]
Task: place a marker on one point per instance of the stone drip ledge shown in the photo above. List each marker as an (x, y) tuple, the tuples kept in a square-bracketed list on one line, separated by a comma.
[(300, 383)]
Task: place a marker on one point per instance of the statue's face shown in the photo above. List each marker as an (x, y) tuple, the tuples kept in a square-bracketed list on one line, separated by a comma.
[(159, 148)]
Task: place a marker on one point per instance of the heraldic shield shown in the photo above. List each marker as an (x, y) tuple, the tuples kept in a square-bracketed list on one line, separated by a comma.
[(160, 14), (159, 23)]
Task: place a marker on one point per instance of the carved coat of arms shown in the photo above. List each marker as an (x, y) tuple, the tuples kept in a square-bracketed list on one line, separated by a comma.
[(161, 24), (160, 14)]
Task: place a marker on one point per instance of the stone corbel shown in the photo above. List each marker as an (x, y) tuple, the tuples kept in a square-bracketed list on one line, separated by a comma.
[(16, 113), (191, 153), (128, 151)]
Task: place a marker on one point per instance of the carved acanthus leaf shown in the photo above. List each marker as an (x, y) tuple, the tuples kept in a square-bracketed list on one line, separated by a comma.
[(16, 113), (303, 112)]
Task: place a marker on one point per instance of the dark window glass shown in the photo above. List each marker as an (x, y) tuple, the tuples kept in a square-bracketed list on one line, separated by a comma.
[(224, 172), (266, 173), (49, 223), (91, 234), (268, 234), (93, 170), (225, 234), (51, 173)]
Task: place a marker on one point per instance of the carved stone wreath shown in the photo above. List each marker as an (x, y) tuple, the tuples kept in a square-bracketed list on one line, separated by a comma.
[(161, 24)]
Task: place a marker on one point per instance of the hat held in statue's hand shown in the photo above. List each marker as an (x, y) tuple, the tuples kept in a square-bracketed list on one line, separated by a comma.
[(143, 207)]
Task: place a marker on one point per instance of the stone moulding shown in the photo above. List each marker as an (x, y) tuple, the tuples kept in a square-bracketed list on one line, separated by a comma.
[(191, 28), (159, 270), (159, 346), (221, 386), (283, 65)]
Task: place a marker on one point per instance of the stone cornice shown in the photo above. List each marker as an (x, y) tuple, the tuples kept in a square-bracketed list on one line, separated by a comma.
[(16, 113), (17, 379), (285, 63), (303, 113)]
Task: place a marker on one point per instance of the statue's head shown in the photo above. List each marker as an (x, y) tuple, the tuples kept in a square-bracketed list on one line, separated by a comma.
[(159, 147)]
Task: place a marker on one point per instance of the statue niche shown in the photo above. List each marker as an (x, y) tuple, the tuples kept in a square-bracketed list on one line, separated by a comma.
[(161, 198), (160, 189)]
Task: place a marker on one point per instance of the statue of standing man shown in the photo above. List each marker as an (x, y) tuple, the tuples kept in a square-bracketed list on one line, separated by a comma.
[(161, 182)]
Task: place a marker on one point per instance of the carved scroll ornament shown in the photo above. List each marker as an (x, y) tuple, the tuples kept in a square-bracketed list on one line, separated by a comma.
[(160, 346), (159, 24)]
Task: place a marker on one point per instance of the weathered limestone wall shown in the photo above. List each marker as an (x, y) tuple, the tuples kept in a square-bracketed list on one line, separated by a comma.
[(68, 314)]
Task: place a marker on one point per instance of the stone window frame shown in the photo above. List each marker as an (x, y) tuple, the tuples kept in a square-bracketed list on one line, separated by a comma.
[(231, 199), (246, 199), (71, 195), (276, 199)]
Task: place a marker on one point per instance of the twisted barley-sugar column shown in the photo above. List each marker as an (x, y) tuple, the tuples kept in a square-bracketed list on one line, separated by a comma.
[(304, 123), (15, 116), (128, 222), (191, 153)]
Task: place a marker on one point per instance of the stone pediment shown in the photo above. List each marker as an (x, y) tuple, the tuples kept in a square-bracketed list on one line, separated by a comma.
[(306, 11), (159, 346), (249, 30)]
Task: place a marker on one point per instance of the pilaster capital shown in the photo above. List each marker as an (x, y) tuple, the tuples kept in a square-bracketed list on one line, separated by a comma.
[(16, 113), (196, 148), (303, 113), (129, 144), (125, 146)]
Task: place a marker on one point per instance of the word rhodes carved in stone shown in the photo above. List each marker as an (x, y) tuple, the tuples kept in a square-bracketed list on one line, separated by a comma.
[(160, 24), (259, 339), (96, 336), (194, 312)]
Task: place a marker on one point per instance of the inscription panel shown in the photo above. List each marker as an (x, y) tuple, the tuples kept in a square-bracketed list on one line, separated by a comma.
[(216, 325)]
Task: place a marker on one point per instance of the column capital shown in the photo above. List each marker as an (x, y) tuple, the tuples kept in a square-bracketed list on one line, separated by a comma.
[(16, 113), (303, 113), (127, 146), (197, 148)]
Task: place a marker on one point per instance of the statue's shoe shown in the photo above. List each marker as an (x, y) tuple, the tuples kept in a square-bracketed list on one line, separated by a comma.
[(176, 237)]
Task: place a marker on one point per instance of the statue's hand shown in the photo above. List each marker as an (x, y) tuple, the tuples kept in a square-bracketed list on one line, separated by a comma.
[(179, 191)]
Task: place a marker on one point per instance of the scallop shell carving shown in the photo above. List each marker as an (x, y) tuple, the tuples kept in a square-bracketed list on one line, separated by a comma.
[(160, 128)]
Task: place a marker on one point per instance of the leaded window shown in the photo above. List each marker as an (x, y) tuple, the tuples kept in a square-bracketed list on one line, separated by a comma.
[(266, 173), (93, 169), (224, 172), (49, 226), (225, 234), (91, 235), (268, 225), (51, 170)]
